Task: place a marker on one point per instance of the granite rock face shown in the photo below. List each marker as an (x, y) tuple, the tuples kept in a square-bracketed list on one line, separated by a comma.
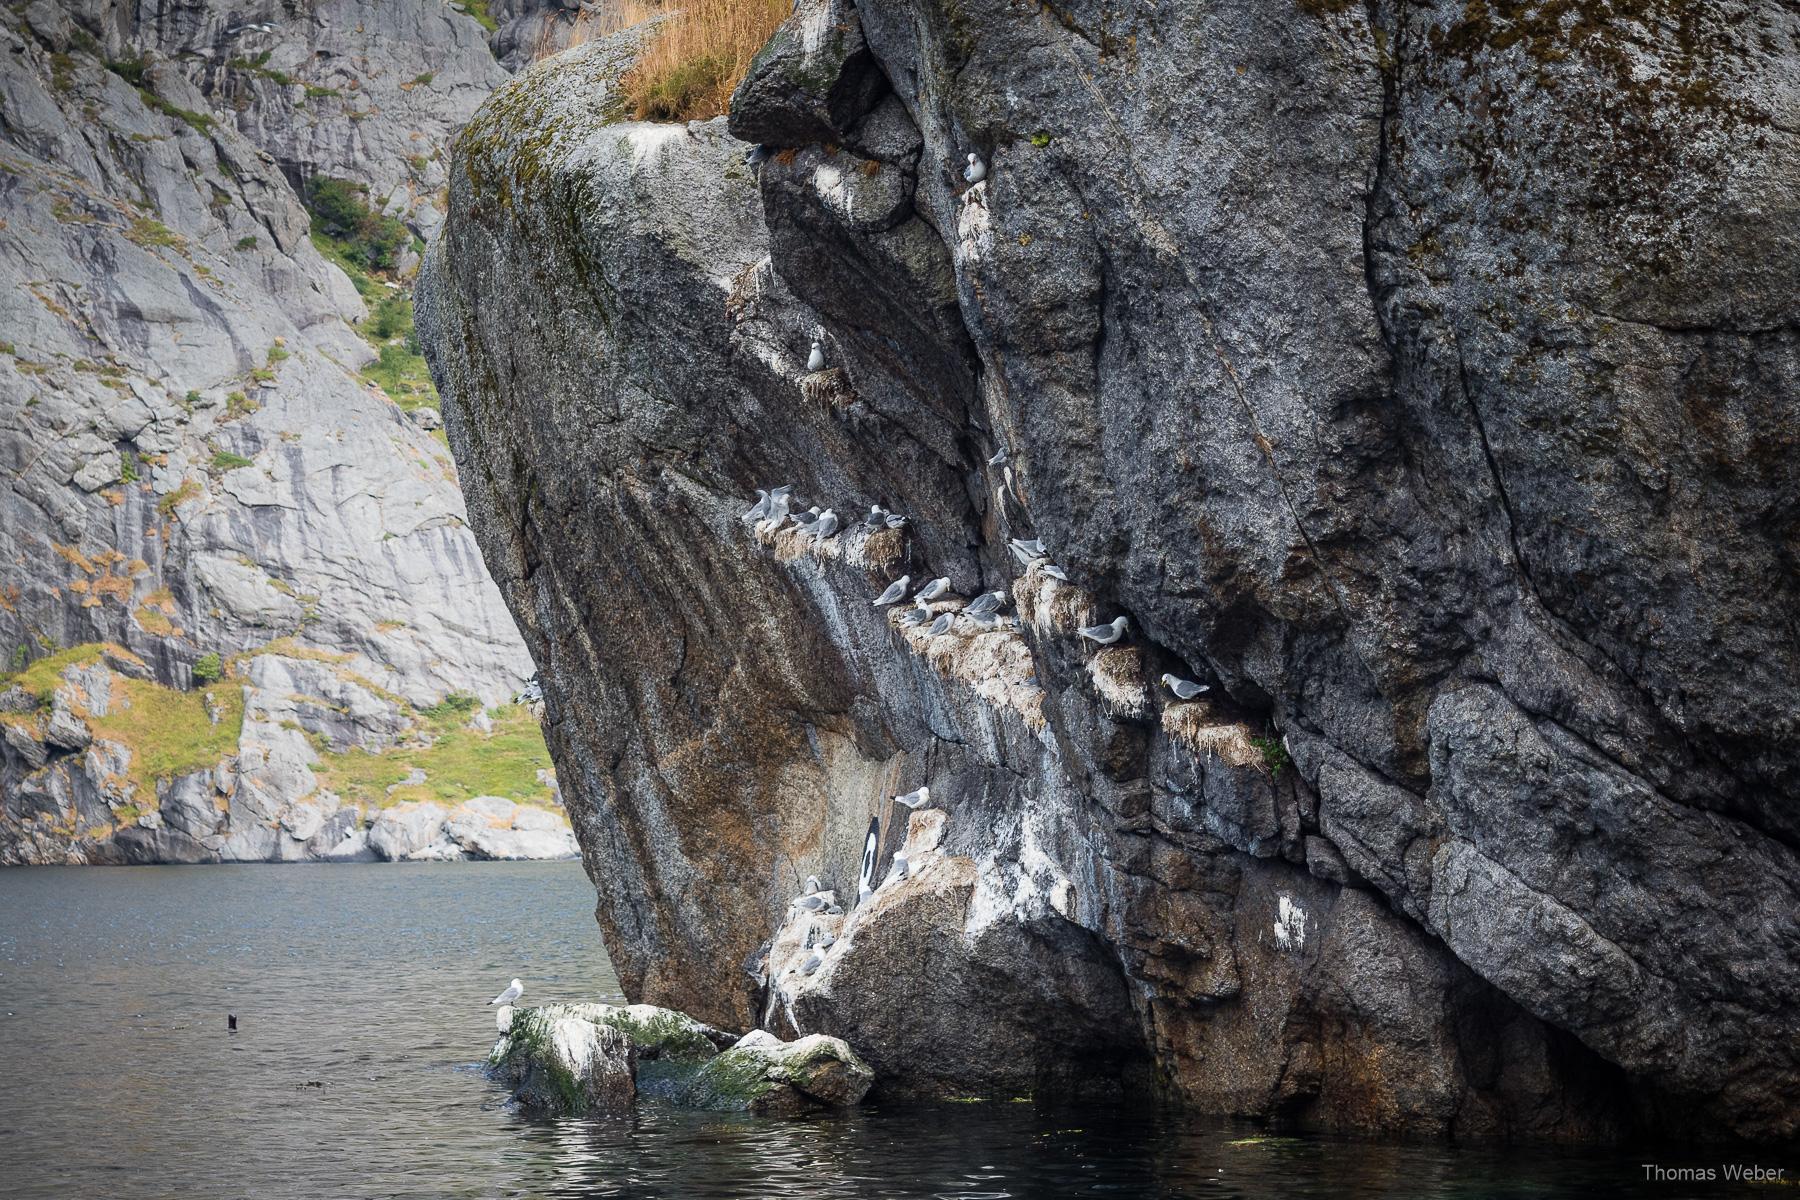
[(1418, 377), (194, 465)]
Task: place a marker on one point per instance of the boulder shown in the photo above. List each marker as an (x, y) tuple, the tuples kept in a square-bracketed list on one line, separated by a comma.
[(559, 1063), (406, 829), (784, 1079)]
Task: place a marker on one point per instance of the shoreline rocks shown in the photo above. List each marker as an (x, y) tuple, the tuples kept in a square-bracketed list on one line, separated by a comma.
[(570, 1059)]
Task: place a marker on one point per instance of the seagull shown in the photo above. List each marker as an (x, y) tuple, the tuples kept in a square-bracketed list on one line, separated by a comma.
[(934, 589), (825, 941), (914, 617), (1106, 635), (760, 511), (756, 156), (816, 360), (915, 800), (806, 520), (513, 991), (896, 872), (812, 885), (984, 620), (999, 459), (976, 171), (876, 519), (1184, 689), (942, 624), (1034, 547), (811, 903), (834, 910), (779, 502), (895, 520), (825, 526), (987, 602), (1054, 572), (896, 592), (813, 962)]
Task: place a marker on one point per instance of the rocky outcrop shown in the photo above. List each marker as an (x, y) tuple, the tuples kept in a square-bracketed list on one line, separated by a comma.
[(1358, 357), (196, 471), (576, 1058)]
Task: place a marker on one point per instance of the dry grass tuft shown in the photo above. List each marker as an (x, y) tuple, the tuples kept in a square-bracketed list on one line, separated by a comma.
[(692, 63)]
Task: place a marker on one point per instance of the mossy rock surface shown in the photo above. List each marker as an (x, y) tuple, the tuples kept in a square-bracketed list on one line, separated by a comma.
[(781, 1079)]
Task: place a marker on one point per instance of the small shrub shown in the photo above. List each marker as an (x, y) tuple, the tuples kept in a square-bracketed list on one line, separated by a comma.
[(175, 499), (456, 704), (128, 472), (131, 70), (210, 669), (200, 122), (225, 460), (247, 243), (340, 212), (1275, 755), (423, 80), (153, 234), (277, 353)]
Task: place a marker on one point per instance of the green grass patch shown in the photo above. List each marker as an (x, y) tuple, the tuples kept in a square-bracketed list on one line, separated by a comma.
[(459, 765), (169, 732), (340, 211), (200, 122), (479, 10), (1274, 754), (225, 460), (152, 234)]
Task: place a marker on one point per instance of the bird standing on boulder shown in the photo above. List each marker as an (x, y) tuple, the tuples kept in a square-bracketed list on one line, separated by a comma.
[(894, 593), (934, 589), (816, 360), (513, 991), (914, 617), (1106, 635), (987, 602), (876, 519), (1184, 689), (976, 171)]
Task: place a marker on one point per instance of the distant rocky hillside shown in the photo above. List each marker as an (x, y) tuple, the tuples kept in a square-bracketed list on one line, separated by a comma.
[(218, 437), (1420, 380)]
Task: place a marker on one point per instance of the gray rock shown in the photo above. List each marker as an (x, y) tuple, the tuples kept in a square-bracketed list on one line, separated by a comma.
[(1449, 450), (406, 829), (559, 1063), (783, 1079)]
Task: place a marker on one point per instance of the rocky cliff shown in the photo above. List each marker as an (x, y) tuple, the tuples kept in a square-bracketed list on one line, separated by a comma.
[(1420, 378), (202, 484)]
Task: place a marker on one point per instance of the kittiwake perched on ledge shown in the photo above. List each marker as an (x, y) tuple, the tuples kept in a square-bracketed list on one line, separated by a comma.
[(942, 625), (816, 360), (1054, 572), (513, 991), (895, 520), (894, 593), (760, 511), (914, 617), (1106, 635), (976, 171), (1184, 689), (934, 589), (825, 526), (999, 459), (876, 519), (987, 602), (915, 800), (812, 885)]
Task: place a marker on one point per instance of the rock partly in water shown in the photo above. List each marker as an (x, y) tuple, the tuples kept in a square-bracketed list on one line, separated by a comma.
[(560, 1063), (781, 1080)]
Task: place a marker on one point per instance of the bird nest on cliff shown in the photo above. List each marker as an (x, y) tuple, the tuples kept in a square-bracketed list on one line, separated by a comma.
[(995, 664), (1118, 675), (1197, 725)]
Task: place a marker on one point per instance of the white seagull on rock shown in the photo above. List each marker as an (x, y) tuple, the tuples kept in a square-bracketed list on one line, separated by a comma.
[(914, 800), (760, 511), (934, 589), (816, 360), (513, 991), (1106, 635), (942, 624), (976, 171), (894, 593), (1184, 689), (914, 617)]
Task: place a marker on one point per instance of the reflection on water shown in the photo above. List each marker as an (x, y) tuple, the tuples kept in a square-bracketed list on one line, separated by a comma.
[(361, 993)]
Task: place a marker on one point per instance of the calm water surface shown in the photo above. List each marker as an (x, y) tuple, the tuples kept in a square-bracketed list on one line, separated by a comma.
[(361, 994)]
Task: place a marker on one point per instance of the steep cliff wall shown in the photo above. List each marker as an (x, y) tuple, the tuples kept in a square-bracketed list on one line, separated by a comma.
[(197, 473), (1420, 379)]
